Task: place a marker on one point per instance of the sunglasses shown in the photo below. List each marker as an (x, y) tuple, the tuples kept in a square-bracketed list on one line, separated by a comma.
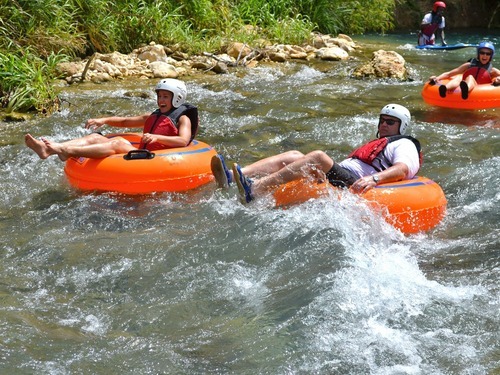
[(388, 121), (485, 53)]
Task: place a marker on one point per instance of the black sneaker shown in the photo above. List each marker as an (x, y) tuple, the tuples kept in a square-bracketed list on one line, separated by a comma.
[(465, 89), (442, 91)]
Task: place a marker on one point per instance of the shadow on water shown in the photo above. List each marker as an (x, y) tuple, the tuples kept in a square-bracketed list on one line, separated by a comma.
[(486, 118)]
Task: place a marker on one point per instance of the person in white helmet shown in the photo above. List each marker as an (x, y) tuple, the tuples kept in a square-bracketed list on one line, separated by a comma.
[(173, 124), (392, 156)]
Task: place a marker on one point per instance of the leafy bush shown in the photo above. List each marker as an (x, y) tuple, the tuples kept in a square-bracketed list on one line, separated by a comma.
[(26, 81)]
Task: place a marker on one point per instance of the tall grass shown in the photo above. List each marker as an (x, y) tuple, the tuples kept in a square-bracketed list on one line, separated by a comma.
[(35, 34), (27, 83)]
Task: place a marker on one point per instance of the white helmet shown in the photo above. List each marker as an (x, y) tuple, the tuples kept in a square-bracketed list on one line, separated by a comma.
[(399, 112), (176, 87)]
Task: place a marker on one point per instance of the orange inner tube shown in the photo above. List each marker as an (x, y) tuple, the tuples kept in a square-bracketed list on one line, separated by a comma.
[(411, 206), (483, 96), (170, 170)]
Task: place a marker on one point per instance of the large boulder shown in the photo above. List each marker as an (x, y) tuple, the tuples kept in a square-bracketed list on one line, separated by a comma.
[(151, 53), (384, 64)]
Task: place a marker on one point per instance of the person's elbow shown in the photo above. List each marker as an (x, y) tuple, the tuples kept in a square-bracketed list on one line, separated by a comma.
[(185, 142), (401, 171)]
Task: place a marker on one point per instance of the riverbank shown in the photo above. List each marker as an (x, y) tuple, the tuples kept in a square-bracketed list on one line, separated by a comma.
[(159, 61), (156, 61)]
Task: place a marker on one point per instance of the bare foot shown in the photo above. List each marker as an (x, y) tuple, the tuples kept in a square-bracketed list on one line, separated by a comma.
[(56, 148), (38, 146)]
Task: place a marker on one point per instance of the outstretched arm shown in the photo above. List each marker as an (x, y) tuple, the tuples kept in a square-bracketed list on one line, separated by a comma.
[(447, 75), (495, 76), (441, 34), (120, 122)]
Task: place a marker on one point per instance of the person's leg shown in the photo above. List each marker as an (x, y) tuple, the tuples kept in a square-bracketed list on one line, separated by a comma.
[(454, 83), (271, 164), (224, 176), (40, 146), (315, 163), (96, 150), (467, 85), (450, 86)]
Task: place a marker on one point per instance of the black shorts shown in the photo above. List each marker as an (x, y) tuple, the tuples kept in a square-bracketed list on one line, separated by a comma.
[(340, 177)]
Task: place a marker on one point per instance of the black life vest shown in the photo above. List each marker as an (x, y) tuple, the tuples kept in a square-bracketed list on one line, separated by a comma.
[(371, 150)]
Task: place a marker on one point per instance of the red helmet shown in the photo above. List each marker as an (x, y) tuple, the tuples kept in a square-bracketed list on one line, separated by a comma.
[(438, 4)]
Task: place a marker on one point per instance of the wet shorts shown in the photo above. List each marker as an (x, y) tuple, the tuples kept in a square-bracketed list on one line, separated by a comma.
[(340, 177)]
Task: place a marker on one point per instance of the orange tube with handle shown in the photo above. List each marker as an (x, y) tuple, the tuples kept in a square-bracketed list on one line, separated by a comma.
[(142, 172)]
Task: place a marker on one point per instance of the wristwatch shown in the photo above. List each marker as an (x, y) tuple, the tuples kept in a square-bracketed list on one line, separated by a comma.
[(376, 178)]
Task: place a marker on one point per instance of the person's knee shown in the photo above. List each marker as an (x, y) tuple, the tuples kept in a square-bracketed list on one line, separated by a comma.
[(291, 156), (320, 159), (94, 138), (471, 82), (119, 146)]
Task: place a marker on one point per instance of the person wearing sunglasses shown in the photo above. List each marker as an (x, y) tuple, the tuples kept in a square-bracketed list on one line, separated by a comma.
[(432, 23), (392, 156), (476, 71)]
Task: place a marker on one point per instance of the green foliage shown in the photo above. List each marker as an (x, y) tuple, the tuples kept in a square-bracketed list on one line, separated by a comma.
[(291, 30), (48, 28), (371, 15), (329, 15), (26, 81)]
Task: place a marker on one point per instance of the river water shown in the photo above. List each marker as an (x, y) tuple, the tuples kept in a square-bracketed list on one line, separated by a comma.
[(197, 283)]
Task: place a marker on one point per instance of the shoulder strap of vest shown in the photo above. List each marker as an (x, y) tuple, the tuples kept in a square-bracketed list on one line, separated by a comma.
[(414, 140), (187, 109), (474, 62), (190, 111)]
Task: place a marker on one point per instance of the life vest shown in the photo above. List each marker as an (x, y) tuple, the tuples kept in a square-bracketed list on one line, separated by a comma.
[(480, 72), (433, 26), (167, 124), (371, 150)]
